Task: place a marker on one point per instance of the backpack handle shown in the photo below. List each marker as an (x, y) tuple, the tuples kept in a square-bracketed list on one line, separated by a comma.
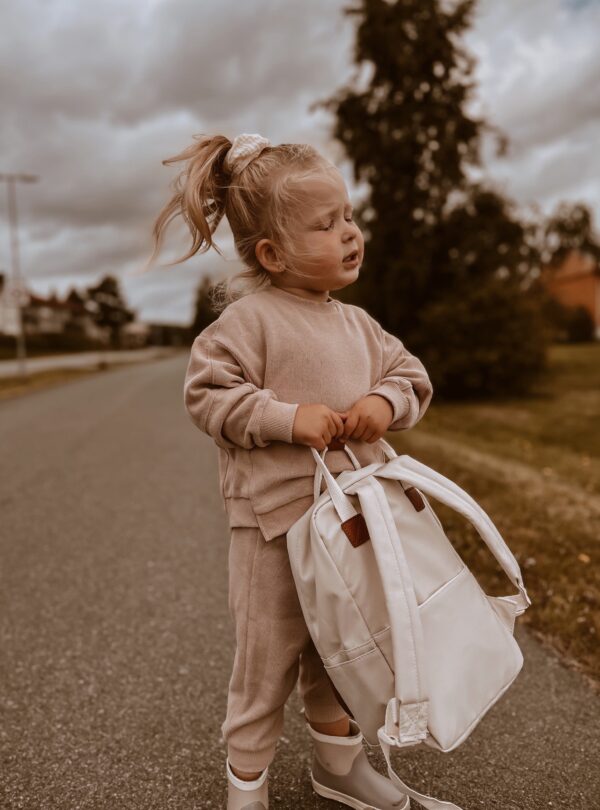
[(319, 473), (388, 450), (342, 504)]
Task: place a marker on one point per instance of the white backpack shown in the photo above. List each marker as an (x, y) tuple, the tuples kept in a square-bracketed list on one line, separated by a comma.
[(415, 649)]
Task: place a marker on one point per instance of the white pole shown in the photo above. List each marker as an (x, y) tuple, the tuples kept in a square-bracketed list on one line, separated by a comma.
[(11, 186)]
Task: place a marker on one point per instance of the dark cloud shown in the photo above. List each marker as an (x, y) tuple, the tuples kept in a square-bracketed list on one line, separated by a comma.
[(96, 95), (538, 74)]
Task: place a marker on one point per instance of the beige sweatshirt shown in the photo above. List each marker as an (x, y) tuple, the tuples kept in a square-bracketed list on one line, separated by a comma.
[(265, 354)]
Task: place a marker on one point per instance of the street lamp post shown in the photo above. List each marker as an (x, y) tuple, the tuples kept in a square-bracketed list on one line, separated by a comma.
[(11, 180)]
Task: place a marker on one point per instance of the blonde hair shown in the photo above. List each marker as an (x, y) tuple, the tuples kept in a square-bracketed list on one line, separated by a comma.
[(263, 201)]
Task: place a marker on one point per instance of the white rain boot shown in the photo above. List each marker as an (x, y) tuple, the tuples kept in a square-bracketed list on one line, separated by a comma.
[(242, 795), (341, 771)]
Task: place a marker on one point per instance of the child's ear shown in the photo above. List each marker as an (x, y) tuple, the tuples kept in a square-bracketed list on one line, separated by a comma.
[(266, 253)]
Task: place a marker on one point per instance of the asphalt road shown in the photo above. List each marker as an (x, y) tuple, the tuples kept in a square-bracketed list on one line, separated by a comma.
[(115, 640)]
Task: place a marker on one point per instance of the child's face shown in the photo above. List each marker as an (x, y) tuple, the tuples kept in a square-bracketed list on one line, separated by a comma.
[(327, 234)]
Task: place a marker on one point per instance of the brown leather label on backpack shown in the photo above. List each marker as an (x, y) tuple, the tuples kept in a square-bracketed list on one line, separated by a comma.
[(355, 529), (414, 496)]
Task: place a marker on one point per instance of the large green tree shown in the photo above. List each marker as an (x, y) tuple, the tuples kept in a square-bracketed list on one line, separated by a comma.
[(449, 264)]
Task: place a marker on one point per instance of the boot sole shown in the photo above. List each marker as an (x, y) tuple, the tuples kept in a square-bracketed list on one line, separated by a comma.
[(343, 798)]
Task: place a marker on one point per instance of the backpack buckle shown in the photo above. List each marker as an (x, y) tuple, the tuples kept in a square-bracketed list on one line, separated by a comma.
[(405, 723)]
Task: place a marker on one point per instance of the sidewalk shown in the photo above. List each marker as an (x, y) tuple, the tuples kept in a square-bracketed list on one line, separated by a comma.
[(79, 360)]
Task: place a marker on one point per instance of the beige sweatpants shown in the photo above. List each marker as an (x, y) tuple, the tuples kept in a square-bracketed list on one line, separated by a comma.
[(274, 651)]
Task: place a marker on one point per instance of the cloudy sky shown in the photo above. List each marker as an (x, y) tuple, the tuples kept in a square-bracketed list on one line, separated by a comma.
[(95, 95)]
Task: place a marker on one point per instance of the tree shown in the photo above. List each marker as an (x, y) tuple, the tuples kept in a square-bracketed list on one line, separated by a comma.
[(203, 312), (110, 308), (569, 228), (447, 257)]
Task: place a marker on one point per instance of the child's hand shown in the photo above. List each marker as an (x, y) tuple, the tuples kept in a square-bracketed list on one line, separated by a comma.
[(315, 425), (368, 419)]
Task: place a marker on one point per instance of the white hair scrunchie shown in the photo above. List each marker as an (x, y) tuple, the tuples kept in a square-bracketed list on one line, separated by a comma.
[(244, 149)]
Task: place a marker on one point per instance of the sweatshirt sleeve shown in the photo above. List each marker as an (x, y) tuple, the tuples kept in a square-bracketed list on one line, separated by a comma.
[(404, 383), (223, 403)]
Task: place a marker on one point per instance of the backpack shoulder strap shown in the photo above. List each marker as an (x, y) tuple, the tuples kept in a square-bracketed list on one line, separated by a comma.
[(406, 717), (409, 470)]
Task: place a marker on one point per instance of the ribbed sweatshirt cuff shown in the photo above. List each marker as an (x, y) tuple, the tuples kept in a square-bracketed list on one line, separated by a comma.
[(397, 398), (277, 421)]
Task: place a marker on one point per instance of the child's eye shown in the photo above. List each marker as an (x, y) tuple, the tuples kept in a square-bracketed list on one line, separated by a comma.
[(327, 227)]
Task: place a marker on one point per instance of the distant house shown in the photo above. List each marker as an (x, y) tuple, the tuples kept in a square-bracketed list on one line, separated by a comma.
[(75, 319), (576, 282), (45, 316), (135, 334)]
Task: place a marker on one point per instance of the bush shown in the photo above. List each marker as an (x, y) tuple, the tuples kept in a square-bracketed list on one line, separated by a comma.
[(569, 324), (580, 325), (484, 340)]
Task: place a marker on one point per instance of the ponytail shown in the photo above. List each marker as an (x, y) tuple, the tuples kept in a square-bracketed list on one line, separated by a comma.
[(199, 192)]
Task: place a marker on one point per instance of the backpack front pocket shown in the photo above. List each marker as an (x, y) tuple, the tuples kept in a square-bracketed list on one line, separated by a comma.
[(365, 681), (471, 658)]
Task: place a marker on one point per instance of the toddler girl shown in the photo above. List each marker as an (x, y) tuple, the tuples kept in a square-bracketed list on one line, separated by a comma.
[(285, 367)]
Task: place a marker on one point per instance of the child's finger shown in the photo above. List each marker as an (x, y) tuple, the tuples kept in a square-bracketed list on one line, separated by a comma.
[(337, 424), (352, 419), (361, 428), (340, 418)]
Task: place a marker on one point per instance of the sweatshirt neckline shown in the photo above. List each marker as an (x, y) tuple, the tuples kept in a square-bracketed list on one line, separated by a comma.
[(325, 305)]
